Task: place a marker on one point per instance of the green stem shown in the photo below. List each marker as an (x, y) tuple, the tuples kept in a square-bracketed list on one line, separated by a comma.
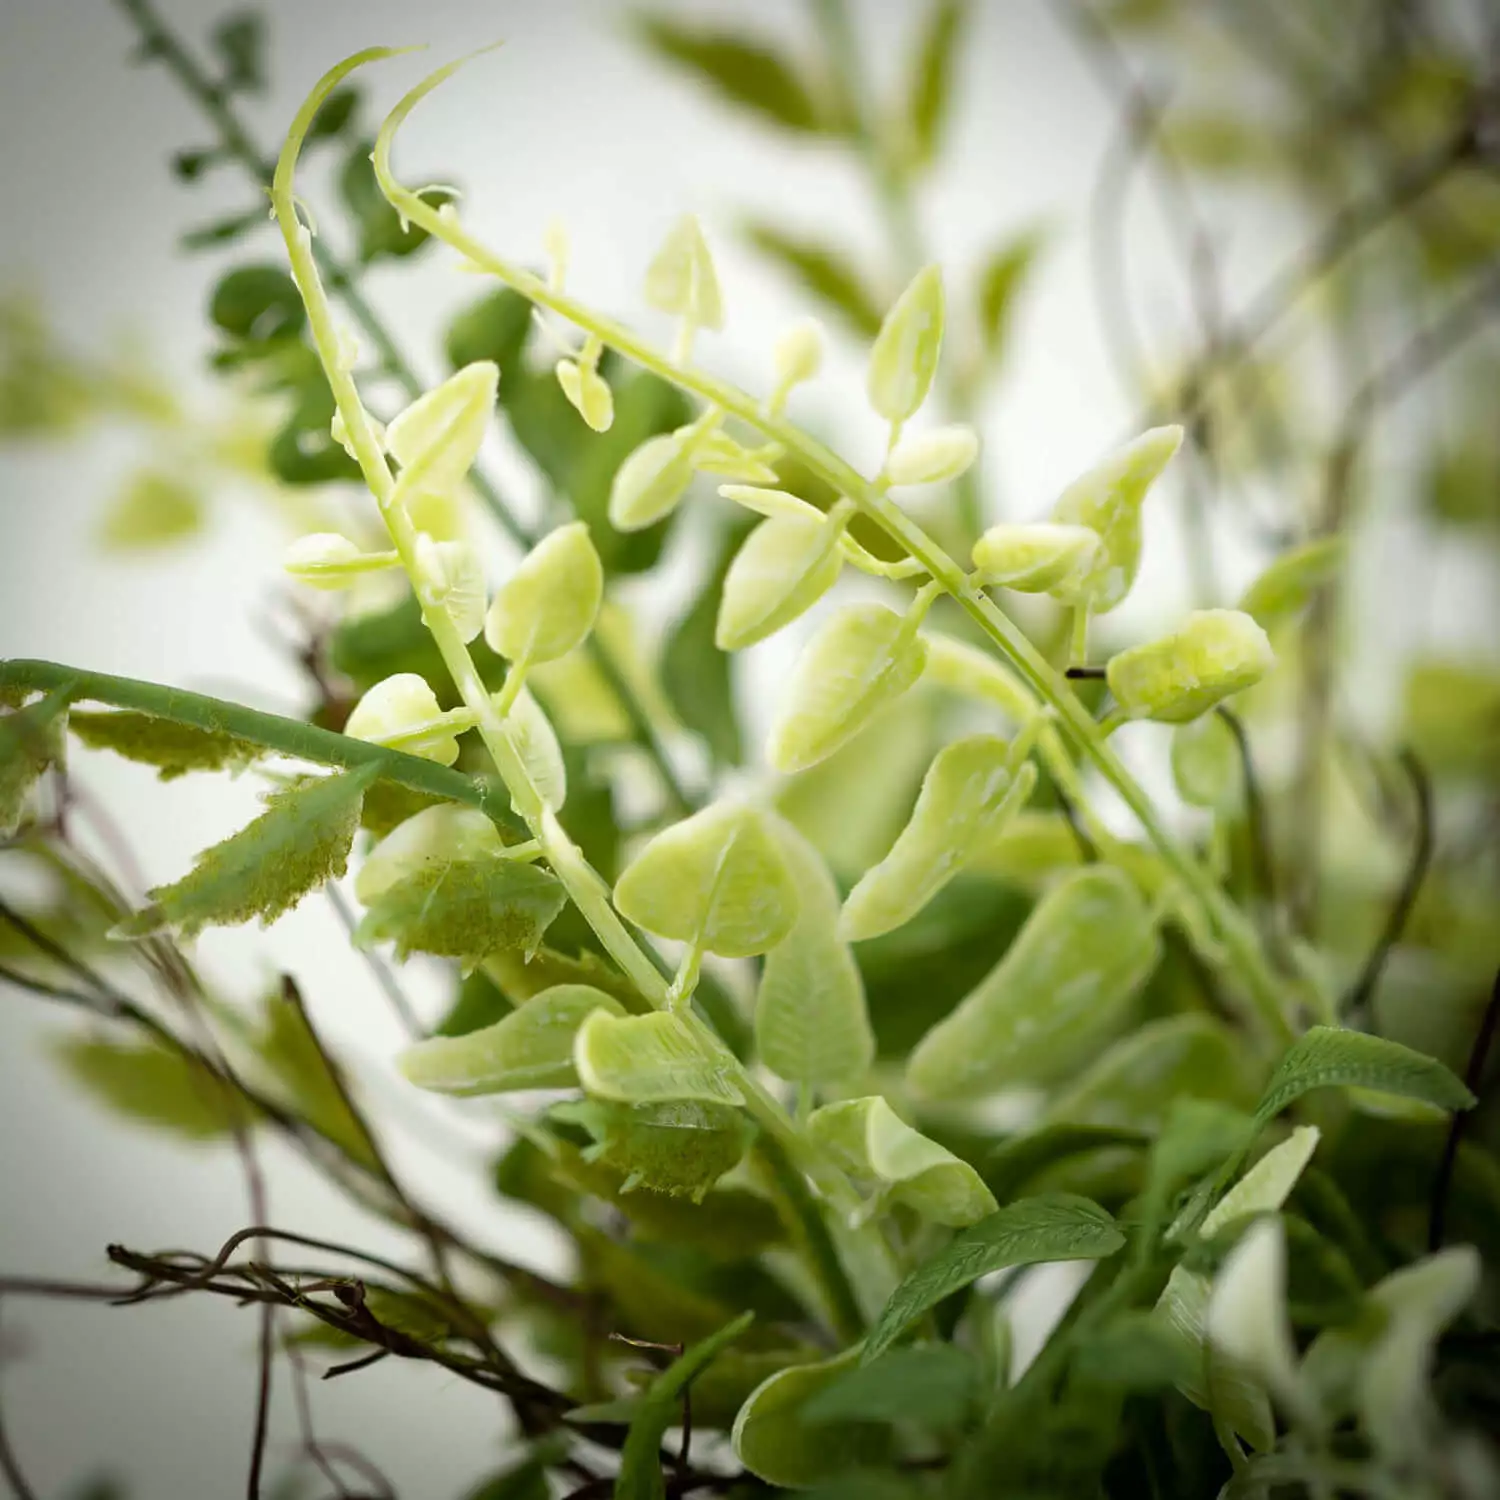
[(289, 737), (1238, 935)]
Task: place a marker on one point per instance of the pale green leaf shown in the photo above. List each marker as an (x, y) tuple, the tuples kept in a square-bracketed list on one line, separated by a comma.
[(536, 742), (1330, 1057), (1289, 584), (717, 880), (646, 1059), (904, 358), (782, 569), (677, 1147), (881, 1150), (300, 841), (429, 840), (532, 1048), (863, 658), (1036, 557), (1212, 655), (932, 78), (811, 1024), (640, 1476), (1267, 1185), (549, 604), (1035, 1230), (1001, 277), (31, 741), (681, 279), (1207, 768), (772, 1441), (153, 510), (151, 1085), (824, 270), (1063, 988), (969, 793), (174, 749), (437, 438)]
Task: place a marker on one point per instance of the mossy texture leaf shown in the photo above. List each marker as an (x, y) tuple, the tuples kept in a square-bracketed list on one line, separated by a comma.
[(678, 1147), (174, 749), (650, 1059)]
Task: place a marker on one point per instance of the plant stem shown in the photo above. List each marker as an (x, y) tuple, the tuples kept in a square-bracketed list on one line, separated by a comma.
[(290, 737), (1239, 937), (343, 279)]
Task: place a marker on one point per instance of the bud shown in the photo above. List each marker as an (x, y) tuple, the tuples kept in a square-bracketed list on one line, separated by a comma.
[(798, 354), (904, 358), (681, 279), (1036, 558), (435, 836), (1108, 500), (768, 502), (326, 560), (784, 567), (935, 457), (1246, 1319), (549, 604), (1213, 654), (588, 392), (449, 576), (863, 658), (437, 437), (404, 708), (1206, 764)]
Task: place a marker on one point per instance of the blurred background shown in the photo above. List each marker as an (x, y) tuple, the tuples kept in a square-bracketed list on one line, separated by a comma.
[(1277, 222)]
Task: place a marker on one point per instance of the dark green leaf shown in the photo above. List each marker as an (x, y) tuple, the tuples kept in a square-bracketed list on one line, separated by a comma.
[(191, 165), (1330, 1057), (174, 749), (257, 302), (369, 648), (528, 1482), (1017, 1161), (680, 1148), (377, 224), (739, 69), (932, 79), (1135, 1351), (239, 40), (934, 1384), (154, 1086), (495, 327), (222, 231), (301, 840), (479, 1003), (824, 271), (1002, 277), (335, 115), (1021, 1234), (640, 1476)]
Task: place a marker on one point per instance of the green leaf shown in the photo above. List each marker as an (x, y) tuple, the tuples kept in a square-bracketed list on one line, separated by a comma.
[(528, 1481), (370, 648), (31, 740), (152, 509), (300, 841), (1063, 988), (466, 909), (716, 880), (811, 1024), (335, 115), (882, 1151), (258, 303), (679, 1147), (782, 569), (1136, 1352), (1266, 1186), (1451, 717), (239, 41), (174, 749), (531, 1048), (521, 978), (496, 328), (1002, 277), (933, 1384), (640, 1476), (904, 357), (772, 1441), (1019, 1161), (1292, 581), (740, 70), (548, 605), (1030, 1232), (1330, 1057), (932, 79), (155, 1086), (646, 1059), (223, 231), (823, 270)]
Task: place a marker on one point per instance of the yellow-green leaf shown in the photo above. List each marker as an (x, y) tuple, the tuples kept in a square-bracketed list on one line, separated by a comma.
[(1212, 655), (1289, 583), (904, 358), (678, 1147), (649, 1059), (437, 437), (151, 1085), (783, 568), (549, 604)]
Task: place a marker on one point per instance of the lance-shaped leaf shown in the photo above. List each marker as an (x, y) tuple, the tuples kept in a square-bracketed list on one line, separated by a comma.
[(652, 1059), (967, 796), (881, 1150), (1036, 557), (449, 576), (863, 658), (1063, 987), (173, 749), (549, 604), (680, 1147), (811, 1023), (531, 1048), (1267, 1185), (466, 909), (154, 1086), (681, 279), (1107, 500), (1030, 1232), (430, 839), (403, 710), (437, 438), (716, 880), (31, 740), (1206, 766), (301, 840), (772, 1441), (1288, 585), (936, 457), (783, 568), (1212, 655), (640, 1476), (536, 742), (904, 358)]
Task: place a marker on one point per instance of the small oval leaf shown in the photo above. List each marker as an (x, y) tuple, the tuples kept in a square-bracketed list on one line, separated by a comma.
[(647, 1059), (904, 358), (549, 604), (1212, 655), (784, 567), (437, 438), (1036, 558)]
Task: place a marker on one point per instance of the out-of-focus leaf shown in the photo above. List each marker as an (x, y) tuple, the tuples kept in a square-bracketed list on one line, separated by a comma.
[(370, 648), (154, 509), (741, 70), (495, 328), (1452, 718), (377, 224), (239, 41), (32, 739), (1002, 277), (931, 87), (259, 302), (148, 1083), (335, 116), (824, 270)]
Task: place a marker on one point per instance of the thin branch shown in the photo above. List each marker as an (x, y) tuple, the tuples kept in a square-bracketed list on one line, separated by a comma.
[(385, 977), (1473, 1076), (1258, 819)]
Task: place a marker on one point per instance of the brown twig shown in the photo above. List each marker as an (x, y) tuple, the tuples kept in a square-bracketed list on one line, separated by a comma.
[(1474, 1077)]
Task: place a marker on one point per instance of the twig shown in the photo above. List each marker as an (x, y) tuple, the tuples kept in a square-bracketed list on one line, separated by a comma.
[(390, 986), (10, 1465), (1473, 1076), (1258, 822)]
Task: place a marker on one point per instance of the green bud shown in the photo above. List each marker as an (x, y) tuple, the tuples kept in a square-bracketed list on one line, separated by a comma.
[(1108, 500), (404, 708), (681, 279), (437, 437), (588, 392), (783, 568), (717, 880), (1206, 764), (1214, 653), (1036, 558), (549, 604), (905, 356), (935, 457), (798, 354), (863, 658)]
